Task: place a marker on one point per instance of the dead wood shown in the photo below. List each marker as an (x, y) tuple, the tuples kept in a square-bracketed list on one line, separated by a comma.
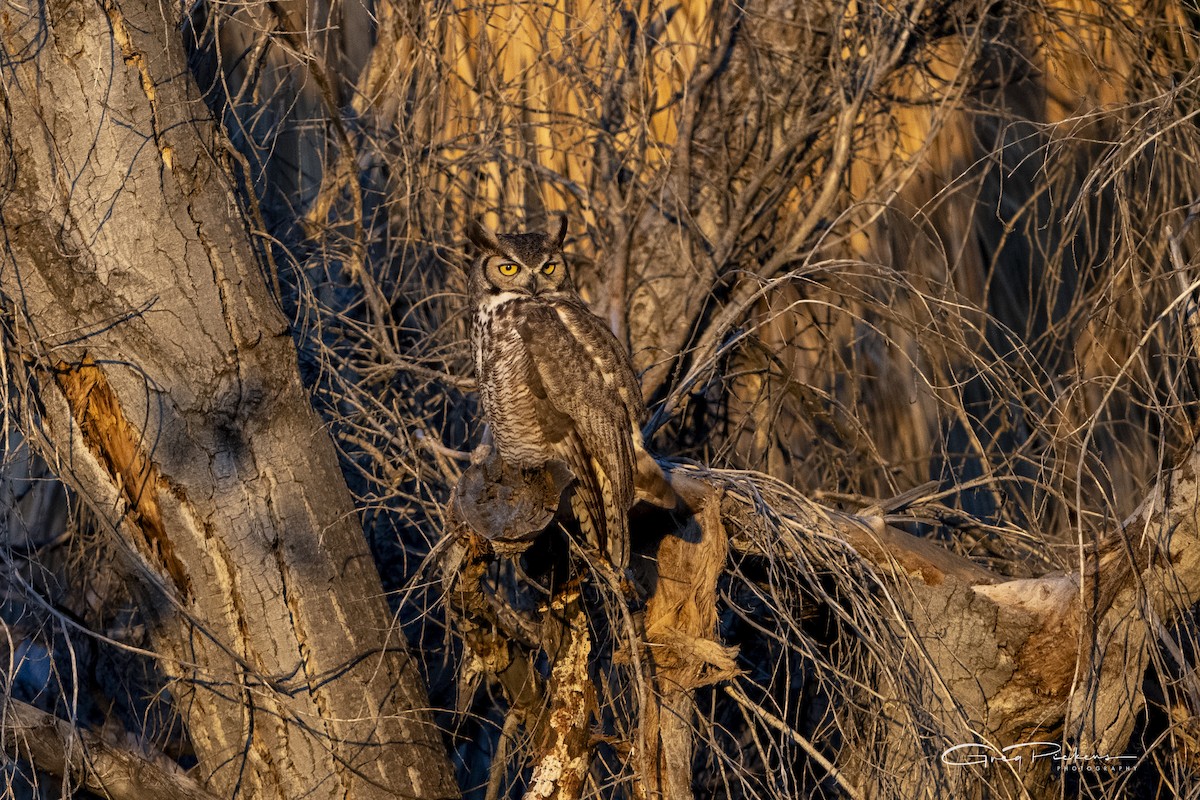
[(90, 760), (563, 745), (684, 652), (507, 506)]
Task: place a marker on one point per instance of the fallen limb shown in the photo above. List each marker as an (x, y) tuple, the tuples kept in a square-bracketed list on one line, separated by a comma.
[(88, 759)]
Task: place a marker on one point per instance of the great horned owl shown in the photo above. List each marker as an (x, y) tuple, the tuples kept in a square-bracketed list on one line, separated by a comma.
[(556, 384)]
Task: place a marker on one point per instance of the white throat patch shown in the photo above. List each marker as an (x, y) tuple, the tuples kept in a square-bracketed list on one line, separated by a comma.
[(494, 301)]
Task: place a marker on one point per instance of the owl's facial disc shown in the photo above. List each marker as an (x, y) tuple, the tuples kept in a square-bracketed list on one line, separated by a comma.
[(529, 263)]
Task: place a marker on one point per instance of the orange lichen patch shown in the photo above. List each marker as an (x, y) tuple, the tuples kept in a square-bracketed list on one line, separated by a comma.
[(117, 445)]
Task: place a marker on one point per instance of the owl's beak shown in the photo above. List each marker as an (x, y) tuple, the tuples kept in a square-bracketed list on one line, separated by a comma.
[(529, 283)]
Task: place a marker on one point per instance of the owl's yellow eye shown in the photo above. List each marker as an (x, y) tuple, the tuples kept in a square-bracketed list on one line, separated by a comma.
[(509, 269), (548, 268)]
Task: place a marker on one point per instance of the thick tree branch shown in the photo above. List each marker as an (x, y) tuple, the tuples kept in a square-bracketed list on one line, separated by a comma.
[(56, 746)]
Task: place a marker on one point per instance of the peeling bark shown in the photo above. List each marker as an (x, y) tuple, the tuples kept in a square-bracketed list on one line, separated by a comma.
[(557, 711), (108, 435), (685, 651), (564, 742)]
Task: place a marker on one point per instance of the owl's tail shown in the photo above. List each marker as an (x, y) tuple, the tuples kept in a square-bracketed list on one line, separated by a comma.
[(604, 523)]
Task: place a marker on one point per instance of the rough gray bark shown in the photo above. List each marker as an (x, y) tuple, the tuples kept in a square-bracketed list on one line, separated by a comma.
[(161, 381)]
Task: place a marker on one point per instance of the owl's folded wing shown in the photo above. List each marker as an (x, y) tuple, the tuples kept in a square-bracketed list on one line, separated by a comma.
[(578, 375)]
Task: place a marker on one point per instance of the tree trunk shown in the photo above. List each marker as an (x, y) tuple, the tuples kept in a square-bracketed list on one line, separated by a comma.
[(159, 376)]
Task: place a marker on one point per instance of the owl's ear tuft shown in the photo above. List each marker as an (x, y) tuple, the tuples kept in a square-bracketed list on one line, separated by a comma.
[(483, 236), (558, 231)]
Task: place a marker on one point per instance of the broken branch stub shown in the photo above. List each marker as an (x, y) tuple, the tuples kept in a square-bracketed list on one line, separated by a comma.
[(508, 506), (563, 738)]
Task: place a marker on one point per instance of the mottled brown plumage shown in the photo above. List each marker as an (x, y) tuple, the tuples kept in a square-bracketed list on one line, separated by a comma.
[(556, 383)]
